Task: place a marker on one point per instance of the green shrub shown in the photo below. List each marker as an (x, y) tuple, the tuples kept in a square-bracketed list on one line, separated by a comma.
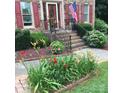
[(38, 37), (22, 39), (101, 26), (82, 28), (87, 26), (57, 47), (95, 39), (55, 72)]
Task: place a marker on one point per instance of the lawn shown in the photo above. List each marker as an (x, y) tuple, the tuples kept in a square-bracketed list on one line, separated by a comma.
[(97, 84)]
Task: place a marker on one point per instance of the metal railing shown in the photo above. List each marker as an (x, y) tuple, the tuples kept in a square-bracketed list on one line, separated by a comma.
[(53, 34)]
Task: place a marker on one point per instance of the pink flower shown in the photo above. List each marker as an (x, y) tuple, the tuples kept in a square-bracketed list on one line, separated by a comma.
[(58, 48), (49, 48)]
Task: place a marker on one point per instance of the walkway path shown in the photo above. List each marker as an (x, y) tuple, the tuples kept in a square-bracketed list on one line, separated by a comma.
[(21, 74)]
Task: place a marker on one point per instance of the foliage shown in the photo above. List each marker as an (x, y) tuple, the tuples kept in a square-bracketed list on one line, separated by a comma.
[(39, 81), (55, 72), (87, 26), (95, 39), (82, 28), (57, 46), (22, 39), (39, 37), (101, 26), (101, 9), (97, 84)]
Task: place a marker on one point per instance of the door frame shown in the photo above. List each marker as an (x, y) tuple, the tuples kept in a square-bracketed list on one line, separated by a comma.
[(47, 12)]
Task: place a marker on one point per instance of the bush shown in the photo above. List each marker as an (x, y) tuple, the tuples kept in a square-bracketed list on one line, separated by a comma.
[(57, 47), (53, 73), (38, 37), (101, 26), (82, 28), (87, 26), (22, 39), (95, 39)]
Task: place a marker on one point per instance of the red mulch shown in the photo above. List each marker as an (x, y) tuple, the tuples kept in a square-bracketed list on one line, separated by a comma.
[(31, 54)]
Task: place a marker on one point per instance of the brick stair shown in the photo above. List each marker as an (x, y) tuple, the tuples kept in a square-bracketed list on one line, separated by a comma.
[(76, 41)]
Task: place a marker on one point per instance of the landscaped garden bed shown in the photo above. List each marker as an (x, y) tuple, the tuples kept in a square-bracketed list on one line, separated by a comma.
[(96, 84), (56, 72)]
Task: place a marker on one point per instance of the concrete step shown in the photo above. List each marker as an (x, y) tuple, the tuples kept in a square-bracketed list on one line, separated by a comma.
[(76, 41), (79, 48), (75, 37), (77, 45)]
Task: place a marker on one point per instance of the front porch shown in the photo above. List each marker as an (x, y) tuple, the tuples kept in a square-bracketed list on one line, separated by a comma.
[(53, 14)]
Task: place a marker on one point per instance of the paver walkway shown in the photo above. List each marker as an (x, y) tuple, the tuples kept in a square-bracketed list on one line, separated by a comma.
[(21, 74)]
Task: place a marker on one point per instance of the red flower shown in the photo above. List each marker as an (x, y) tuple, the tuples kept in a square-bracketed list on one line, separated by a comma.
[(49, 48), (65, 65), (22, 53), (55, 61)]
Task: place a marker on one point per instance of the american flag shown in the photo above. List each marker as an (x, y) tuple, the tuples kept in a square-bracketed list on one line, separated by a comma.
[(73, 9)]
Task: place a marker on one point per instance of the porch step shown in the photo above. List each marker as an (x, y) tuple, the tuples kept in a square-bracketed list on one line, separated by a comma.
[(79, 48), (75, 37), (77, 45), (76, 41)]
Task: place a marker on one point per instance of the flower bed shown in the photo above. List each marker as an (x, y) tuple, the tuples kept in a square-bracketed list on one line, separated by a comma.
[(57, 72)]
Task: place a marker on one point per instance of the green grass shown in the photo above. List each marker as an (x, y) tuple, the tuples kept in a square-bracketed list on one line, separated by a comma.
[(97, 84)]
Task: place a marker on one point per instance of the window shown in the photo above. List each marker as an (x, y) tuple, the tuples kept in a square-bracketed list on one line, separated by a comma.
[(26, 13), (86, 12)]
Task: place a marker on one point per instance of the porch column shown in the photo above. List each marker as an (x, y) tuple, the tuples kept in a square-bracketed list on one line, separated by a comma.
[(42, 15), (41, 10)]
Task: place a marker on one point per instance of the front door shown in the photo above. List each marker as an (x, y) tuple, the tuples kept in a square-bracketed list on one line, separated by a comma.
[(52, 15)]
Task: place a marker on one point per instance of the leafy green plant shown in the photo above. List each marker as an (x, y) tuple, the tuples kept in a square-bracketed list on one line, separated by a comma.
[(82, 28), (38, 37), (57, 47), (22, 39), (39, 81), (95, 39), (101, 26), (87, 26), (55, 72)]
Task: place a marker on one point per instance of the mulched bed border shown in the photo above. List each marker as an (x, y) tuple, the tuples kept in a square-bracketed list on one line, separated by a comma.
[(46, 56)]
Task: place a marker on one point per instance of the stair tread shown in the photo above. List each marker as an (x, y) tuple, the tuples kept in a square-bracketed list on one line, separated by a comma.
[(79, 48)]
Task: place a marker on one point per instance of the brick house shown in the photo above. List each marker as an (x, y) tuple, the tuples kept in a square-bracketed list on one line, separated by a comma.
[(37, 13)]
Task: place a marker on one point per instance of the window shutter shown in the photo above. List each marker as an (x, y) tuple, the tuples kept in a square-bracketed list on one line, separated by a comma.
[(36, 13), (18, 14), (67, 14), (91, 13)]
